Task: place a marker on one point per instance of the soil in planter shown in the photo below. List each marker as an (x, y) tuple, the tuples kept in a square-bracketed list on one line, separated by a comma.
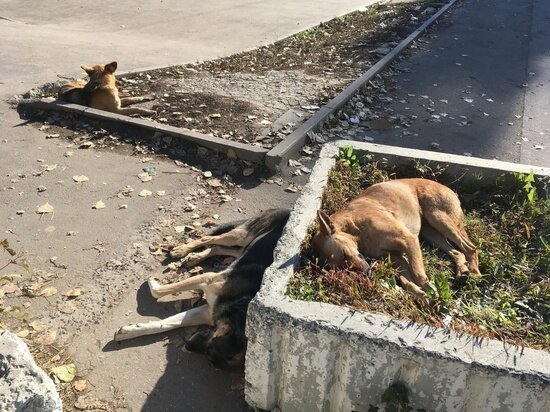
[(508, 221), (241, 96)]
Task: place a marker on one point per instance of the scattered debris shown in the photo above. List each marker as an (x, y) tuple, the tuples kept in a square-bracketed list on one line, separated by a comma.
[(98, 205), (45, 208)]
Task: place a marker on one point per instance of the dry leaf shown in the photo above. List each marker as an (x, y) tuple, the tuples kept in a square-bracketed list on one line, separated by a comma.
[(98, 205), (73, 293), (65, 373), (45, 208), (46, 338), (145, 193), (80, 178), (80, 385), (23, 333), (48, 291), (67, 307), (145, 177), (49, 168)]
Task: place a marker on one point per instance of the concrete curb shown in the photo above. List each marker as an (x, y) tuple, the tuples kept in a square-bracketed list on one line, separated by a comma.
[(294, 142), (316, 356), (232, 149)]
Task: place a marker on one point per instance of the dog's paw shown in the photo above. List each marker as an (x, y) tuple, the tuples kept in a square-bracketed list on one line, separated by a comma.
[(127, 332), (462, 271), (192, 259), (179, 252), (154, 286)]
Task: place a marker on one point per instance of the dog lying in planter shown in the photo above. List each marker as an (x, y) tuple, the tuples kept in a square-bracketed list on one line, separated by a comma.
[(387, 219)]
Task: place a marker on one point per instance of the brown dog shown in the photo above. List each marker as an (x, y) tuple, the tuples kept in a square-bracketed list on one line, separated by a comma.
[(100, 92), (386, 219)]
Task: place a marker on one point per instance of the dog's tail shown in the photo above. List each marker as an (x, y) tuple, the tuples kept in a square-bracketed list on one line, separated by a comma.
[(259, 224), (73, 92), (226, 227)]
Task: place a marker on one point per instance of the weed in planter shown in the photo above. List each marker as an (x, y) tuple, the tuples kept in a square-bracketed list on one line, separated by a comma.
[(509, 222)]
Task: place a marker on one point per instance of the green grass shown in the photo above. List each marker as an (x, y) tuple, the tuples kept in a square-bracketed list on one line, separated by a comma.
[(508, 221)]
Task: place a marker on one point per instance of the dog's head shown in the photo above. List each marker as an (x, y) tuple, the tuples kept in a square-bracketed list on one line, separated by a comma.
[(99, 75), (336, 247), (223, 345)]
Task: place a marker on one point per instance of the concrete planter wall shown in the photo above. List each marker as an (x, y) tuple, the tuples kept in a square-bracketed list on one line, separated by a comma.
[(307, 356)]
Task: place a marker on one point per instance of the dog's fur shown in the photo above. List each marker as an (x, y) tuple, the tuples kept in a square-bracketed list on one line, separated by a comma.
[(386, 219), (100, 92), (227, 293)]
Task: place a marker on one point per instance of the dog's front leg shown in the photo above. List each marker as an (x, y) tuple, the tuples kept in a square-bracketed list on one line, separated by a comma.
[(192, 283), (195, 258), (193, 317), (405, 278)]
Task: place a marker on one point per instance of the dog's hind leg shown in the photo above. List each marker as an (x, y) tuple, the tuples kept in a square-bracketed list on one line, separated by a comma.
[(236, 237), (193, 317), (195, 258), (126, 101), (453, 229), (192, 283), (441, 242), (133, 110)]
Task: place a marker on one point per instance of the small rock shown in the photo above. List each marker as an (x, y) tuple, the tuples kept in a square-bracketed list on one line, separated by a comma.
[(145, 193)]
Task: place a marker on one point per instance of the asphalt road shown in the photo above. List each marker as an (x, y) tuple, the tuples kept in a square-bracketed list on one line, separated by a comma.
[(479, 84)]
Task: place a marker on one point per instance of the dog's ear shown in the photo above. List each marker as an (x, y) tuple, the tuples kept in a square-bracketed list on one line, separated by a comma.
[(326, 226), (111, 67), (89, 70)]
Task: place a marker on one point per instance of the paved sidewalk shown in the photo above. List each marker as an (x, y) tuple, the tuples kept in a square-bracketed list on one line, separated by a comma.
[(480, 84), (43, 39)]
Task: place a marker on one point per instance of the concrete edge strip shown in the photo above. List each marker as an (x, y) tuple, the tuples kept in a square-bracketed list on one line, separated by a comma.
[(242, 151), (293, 142)]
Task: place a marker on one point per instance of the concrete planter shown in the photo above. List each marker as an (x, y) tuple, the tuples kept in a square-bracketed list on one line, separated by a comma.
[(308, 356)]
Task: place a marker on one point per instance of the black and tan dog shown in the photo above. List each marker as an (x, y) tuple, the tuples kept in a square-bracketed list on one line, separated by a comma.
[(100, 92), (227, 293)]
